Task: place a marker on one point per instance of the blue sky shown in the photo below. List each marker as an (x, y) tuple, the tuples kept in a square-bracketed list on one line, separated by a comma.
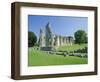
[(61, 25)]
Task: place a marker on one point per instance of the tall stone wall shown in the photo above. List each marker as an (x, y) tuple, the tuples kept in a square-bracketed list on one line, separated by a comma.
[(62, 41)]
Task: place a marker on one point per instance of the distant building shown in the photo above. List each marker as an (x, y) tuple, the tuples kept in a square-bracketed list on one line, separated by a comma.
[(48, 40)]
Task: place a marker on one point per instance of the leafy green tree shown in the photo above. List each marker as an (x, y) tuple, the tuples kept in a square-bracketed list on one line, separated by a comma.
[(32, 39), (80, 37)]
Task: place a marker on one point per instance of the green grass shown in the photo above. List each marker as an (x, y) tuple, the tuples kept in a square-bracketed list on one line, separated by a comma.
[(72, 48), (41, 58)]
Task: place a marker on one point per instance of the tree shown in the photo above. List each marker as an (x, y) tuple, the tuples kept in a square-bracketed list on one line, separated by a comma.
[(32, 39), (80, 37)]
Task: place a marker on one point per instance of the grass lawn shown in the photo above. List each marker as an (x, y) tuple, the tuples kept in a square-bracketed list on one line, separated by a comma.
[(41, 58), (72, 48)]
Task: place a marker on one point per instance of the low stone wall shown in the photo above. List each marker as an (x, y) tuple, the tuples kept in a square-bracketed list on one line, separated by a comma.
[(46, 48), (65, 53), (52, 51)]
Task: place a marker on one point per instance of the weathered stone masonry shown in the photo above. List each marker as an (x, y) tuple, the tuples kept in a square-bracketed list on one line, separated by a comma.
[(49, 40)]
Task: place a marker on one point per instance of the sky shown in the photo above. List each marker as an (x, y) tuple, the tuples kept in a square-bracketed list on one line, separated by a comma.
[(60, 25)]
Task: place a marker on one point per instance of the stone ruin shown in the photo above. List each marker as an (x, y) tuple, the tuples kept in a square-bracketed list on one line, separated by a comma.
[(49, 41)]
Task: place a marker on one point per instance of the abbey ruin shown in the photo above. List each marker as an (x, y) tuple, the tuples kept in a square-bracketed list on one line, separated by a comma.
[(49, 40)]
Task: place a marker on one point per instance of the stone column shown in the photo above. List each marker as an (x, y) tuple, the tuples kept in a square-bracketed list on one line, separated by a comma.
[(64, 40), (58, 41), (61, 40)]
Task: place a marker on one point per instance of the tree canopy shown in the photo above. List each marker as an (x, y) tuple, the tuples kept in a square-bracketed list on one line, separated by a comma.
[(80, 37), (32, 39)]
